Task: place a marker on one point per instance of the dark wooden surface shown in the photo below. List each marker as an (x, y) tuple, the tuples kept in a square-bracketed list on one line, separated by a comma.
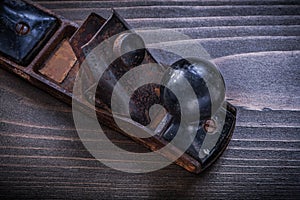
[(257, 47)]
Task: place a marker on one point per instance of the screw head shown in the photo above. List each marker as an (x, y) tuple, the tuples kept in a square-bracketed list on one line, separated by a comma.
[(210, 126), (22, 28)]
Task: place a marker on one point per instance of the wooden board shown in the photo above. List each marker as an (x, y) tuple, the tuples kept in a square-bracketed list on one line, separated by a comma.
[(256, 46)]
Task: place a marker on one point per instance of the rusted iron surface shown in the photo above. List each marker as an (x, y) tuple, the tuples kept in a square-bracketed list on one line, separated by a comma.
[(61, 62), (85, 33)]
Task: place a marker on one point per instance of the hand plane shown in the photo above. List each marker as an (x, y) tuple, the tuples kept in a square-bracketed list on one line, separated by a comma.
[(49, 51)]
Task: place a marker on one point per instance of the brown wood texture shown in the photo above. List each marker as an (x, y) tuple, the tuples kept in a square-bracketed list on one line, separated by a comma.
[(256, 44)]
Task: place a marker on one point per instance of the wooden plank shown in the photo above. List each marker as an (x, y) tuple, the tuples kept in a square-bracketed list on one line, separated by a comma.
[(255, 43)]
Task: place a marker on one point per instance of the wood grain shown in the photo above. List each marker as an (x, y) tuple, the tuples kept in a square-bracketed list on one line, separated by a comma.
[(256, 46)]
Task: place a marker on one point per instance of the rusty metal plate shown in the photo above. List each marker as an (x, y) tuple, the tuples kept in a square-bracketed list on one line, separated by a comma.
[(59, 65), (85, 33)]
